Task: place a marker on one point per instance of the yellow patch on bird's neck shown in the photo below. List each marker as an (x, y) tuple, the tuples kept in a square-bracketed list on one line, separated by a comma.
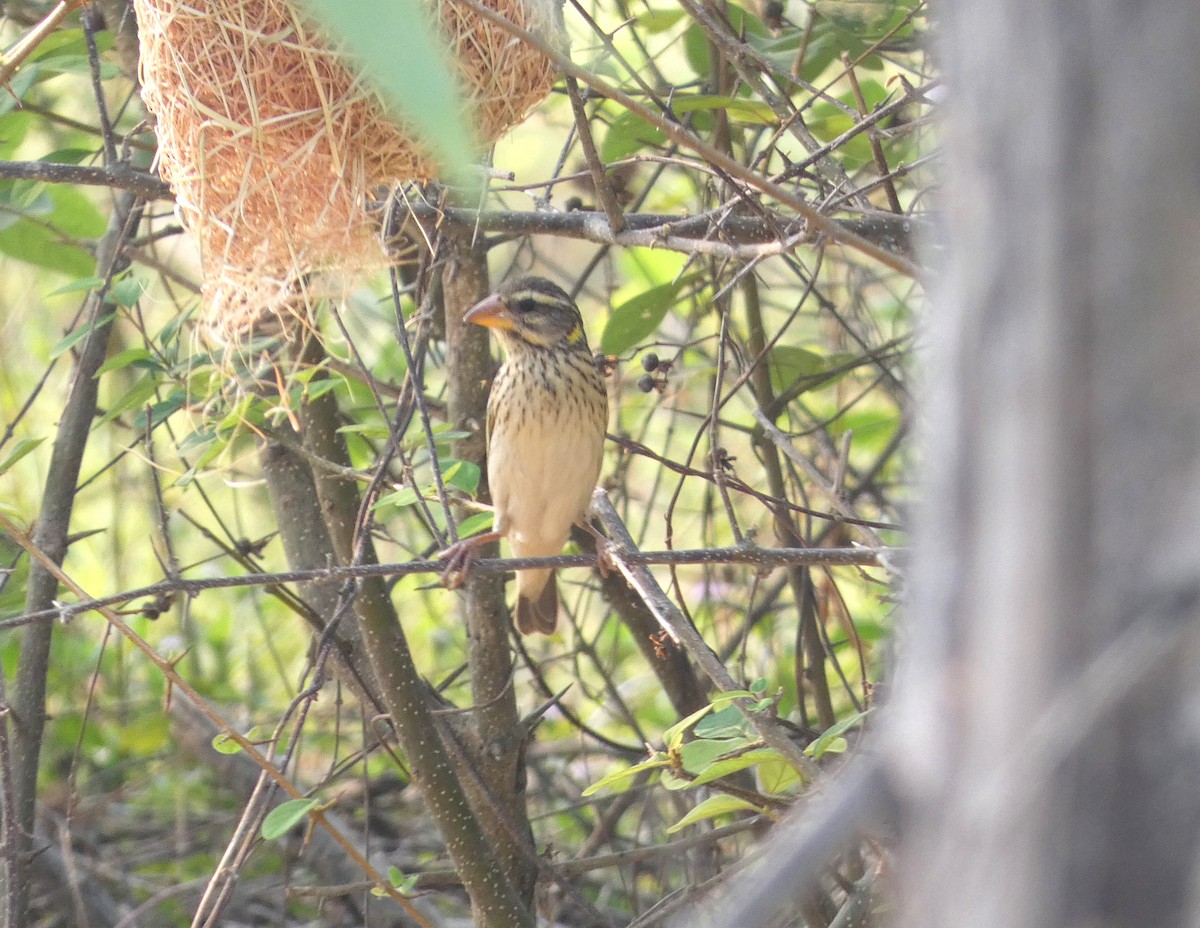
[(575, 336)]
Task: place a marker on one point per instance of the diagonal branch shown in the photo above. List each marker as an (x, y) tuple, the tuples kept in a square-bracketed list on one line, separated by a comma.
[(684, 633)]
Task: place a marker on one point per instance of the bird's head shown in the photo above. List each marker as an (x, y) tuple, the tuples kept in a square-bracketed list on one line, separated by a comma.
[(531, 312)]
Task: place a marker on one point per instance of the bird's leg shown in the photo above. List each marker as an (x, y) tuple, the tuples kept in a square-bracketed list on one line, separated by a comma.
[(458, 558), (604, 560)]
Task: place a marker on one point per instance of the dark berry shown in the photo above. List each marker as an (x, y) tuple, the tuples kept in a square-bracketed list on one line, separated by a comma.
[(650, 362), (646, 383)]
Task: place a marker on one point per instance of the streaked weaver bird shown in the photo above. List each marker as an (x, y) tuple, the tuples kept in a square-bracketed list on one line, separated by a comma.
[(547, 413)]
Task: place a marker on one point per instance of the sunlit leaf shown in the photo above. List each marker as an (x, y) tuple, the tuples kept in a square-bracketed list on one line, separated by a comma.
[(698, 755), (135, 397), (473, 525), (731, 765), (405, 496), (79, 334), (654, 21), (826, 742), (639, 317), (285, 816), (789, 364), (742, 108), (621, 777), (724, 723), (711, 807), (778, 777), (629, 133), (223, 744), (20, 448), (81, 285), (462, 474), (673, 736), (126, 292)]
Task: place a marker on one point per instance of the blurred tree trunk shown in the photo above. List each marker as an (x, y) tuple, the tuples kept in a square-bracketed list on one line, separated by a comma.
[(1048, 707)]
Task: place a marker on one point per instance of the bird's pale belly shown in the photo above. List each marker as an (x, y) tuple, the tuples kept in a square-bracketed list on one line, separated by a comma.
[(542, 475)]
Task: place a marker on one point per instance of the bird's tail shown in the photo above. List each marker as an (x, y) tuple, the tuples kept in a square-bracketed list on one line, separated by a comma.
[(537, 601)]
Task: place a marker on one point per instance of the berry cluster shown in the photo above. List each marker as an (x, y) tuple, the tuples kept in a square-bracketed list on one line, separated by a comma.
[(656, 370)]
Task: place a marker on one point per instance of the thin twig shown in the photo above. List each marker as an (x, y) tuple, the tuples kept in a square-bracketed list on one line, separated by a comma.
[(817, 220), (604, 191), (15, 56), (836, 500), (118, 176), (762, 558)]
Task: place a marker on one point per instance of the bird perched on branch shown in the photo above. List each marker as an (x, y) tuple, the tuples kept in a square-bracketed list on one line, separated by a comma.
[(547, 414)]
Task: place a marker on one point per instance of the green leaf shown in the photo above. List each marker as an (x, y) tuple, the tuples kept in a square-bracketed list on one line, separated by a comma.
[(712, 807), (729, 696), (746, 110), (126, 292), (79, 334), (223, 744), (830, 121), (464, 475), (673, 736), (285, 816), (68, 156), (14, 125), (405, 56), (130, 357), (20, 448), (826, 742), (401, 882), (64, 213), (172, 403), (727, 722), (654, 21), (778, 777), (75, 214), (70, 43), (696, 756), (637, 318), (81, 285), (371, 430), (405, 496), (730, 765), (34, 244), (136, 397), (696, 50), (789, 364), (618, 777), (480, 522), (865, 19), (695, 40), (629, 133)]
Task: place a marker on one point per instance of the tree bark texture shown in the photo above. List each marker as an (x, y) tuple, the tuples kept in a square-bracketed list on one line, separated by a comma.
[(1046, 732), (497, 739), (51, 535)]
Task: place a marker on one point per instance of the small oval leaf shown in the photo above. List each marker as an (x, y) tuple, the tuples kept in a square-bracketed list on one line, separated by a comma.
[(712, 807), (638, 317), (285, 816)]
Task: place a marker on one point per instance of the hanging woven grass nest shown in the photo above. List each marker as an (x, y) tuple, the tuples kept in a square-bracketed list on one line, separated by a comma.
[(271, 142)]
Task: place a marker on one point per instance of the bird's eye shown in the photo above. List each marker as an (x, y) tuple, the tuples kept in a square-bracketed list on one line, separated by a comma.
[(525, 304)]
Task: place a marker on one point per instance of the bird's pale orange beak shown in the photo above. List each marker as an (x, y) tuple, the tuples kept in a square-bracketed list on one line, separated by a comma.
[(490, 312)]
